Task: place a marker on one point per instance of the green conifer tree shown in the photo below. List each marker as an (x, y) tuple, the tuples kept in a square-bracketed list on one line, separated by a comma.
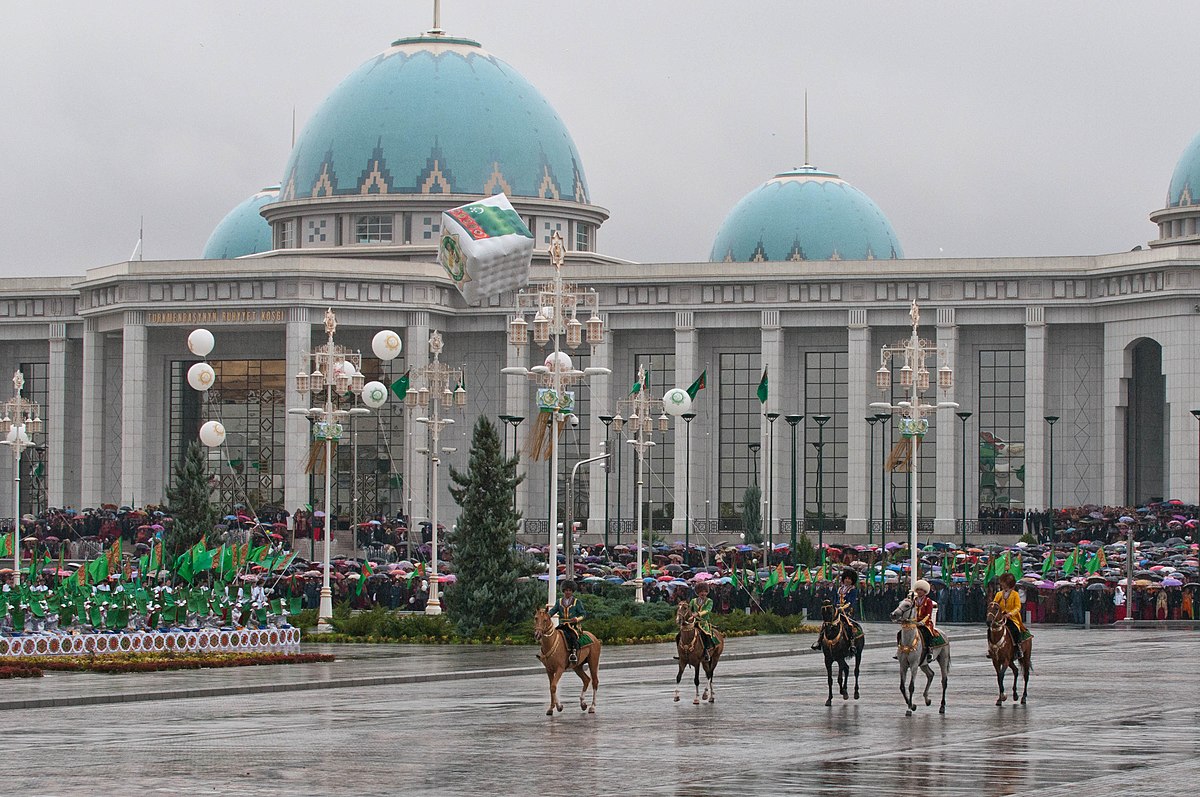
[(190, 504), (752, 514), (487, 593)]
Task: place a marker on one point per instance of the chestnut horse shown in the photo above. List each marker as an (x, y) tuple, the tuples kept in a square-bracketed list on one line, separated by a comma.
[(838, 642), (554, 657), (1006, 653), (691, 653)]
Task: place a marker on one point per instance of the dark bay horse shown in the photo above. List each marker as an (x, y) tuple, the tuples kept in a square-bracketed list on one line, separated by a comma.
[(1007, 654), (838, 643), (691, 653), (554, 657)]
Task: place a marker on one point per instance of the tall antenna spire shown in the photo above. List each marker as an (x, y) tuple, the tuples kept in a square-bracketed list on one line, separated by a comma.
[(293, 127), (806, 163), (437, 18)]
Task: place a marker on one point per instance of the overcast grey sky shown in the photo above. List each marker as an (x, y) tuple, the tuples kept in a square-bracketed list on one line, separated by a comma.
[(1015, 128)]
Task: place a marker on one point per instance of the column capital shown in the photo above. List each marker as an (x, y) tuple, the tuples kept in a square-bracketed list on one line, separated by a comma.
[(134, 318), (684, 320), (418, 318), (770, 319), (57, 331), (857, 318), (298, 315), (1035, 316), (945, 317)]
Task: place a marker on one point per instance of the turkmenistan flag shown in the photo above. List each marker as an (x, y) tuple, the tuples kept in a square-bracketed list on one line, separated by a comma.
[(98, 569), (762, 387), (366, 573), (1015, 568), (400, 386), (775, 577), (646, 566), (1072, 562), (257, 555), (700, 383), (202, 558), (6, 544), (990, 572)]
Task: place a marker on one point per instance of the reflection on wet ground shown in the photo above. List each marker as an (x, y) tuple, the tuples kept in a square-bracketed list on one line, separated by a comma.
[(1106, 712)]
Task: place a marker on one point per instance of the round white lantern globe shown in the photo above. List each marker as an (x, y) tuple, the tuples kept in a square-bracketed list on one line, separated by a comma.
[(374, 394), (676, 402), (200, 342), (212, 434), (558, 361), (386, 345), (201, 376)]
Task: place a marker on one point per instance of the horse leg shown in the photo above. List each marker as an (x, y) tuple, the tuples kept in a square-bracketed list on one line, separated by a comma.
[(844, 678), (1026, 666), (829, 677), (925, 668), (909, 708), (1014, 664), (583, 676), (554, 704), (944, 664), (1000, 672), (679, 675), (857, 661), (594, 667)]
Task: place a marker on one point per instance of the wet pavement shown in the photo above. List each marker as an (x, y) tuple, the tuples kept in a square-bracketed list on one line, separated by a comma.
[(1109, 711)]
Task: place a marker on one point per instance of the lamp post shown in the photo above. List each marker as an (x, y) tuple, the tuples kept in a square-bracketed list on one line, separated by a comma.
[(336, 370), (914, 376), (641, 408), (21, 419), (569, 528), (883, 419), (792, 421), (688, 417), (871, 421), (962, 416), (514, 421), (820, 420), (555, 307), (607, 421), (1051, 419), (435, 396), (355, 412), (770, 535), (754, 448), (1196, 415)]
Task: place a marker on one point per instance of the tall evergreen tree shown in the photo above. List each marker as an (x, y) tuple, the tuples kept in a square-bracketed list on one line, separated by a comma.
[(487, 592), (752, 514), (189, 500)]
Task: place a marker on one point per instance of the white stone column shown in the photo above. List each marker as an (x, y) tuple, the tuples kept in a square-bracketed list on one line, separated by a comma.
[(948, 465), (92, 459), (687, 356), (297, 341), (859, 379), (600, 393), (1036, 456), (1114, 408), (772, 359), (416, 344), (55, 413), (133, 410), (1183, 396)]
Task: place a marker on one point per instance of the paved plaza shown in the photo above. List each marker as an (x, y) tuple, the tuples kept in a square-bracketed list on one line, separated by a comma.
[(1109, 711)]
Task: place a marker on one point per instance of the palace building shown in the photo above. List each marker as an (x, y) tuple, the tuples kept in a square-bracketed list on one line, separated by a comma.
[(806, 278)]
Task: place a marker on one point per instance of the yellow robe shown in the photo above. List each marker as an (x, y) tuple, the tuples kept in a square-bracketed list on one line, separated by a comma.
[(1012, 607)]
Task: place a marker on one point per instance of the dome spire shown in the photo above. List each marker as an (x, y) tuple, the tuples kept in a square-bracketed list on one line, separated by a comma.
[(436, 30), (807, 163)]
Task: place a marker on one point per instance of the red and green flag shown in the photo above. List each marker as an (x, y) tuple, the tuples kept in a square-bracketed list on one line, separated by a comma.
[(366, 573), (1048, 562), (400, 386), (6, 544), (700, 383), (762, 387)]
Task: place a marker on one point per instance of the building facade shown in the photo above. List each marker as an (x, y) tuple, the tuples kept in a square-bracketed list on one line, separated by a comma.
[(806, 279)]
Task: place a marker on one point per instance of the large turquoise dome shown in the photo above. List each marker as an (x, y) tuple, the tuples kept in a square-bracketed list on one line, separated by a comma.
[(434, 114), (1185, 182), (243, 231), (805, 214)]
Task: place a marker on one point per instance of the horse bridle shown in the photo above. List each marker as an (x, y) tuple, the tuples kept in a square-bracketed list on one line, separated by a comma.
[(909, 622), (1002, 627)]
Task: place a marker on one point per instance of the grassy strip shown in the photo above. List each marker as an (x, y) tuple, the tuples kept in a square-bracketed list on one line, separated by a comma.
[(156, 662)]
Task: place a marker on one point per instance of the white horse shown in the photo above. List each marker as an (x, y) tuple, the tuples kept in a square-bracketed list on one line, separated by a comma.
[(910, 651)]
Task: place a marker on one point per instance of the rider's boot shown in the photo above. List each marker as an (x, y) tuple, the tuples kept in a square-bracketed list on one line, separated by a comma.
[(896, 655)]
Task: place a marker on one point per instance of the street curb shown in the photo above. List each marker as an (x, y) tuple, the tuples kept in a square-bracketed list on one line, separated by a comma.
[(383, 680)]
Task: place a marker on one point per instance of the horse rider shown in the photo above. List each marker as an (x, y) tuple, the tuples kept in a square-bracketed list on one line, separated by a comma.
[(571, 614), (926, 619), (702, 607), (847, 606), (1009, 601)]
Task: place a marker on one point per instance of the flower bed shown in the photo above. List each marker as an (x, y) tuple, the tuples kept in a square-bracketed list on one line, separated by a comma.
[(19, 671), (155, 662)]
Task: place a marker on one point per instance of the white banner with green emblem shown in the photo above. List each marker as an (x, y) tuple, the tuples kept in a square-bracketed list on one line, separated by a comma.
[(485, 248)]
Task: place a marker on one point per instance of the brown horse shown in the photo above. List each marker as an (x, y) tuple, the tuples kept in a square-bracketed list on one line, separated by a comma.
[(839, 642), (691, 653), (1006, 653), (554, 657)]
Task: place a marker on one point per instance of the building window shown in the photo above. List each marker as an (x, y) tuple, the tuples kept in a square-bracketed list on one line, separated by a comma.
[(318, 230), (373, 229), (549, 228), (739, 419), (826, 377), (285, 232), (583, 237), (33, 461), (659, 483), (431, 228), (1001, 432)]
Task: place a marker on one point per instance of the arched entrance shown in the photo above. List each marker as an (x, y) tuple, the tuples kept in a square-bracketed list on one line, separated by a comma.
[(1145, 425)]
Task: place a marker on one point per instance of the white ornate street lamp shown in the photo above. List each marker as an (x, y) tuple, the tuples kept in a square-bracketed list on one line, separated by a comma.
[(434, 396), (22, 418), (556, 308), (914, 377), (335, 370)]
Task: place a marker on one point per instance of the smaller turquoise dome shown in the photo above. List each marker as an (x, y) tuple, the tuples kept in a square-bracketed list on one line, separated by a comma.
[(805, 214), (1185, 182), (243, 231)]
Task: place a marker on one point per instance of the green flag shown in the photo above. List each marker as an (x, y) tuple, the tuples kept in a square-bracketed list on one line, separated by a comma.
[(363, 576), (6, 544), (1015, 568), (400, 386), (98, 569), (1048, 563), (762, 387), (202, 559), (774, 578), (700, 383), (1072, 562)]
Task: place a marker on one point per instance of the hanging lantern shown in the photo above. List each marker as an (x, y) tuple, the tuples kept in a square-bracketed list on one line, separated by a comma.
[(883, 378), (302, 382), (906, 376), (945, 377), (618, 422), (518, 331), (448, 397), (410, 398), (356, 382), (574, 333), (341, 382), (423, 397), (541, 330), (460, 396), (922, 379), (595, 330), (664, 422), (5, 425), (316, 381), (34, 425)]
